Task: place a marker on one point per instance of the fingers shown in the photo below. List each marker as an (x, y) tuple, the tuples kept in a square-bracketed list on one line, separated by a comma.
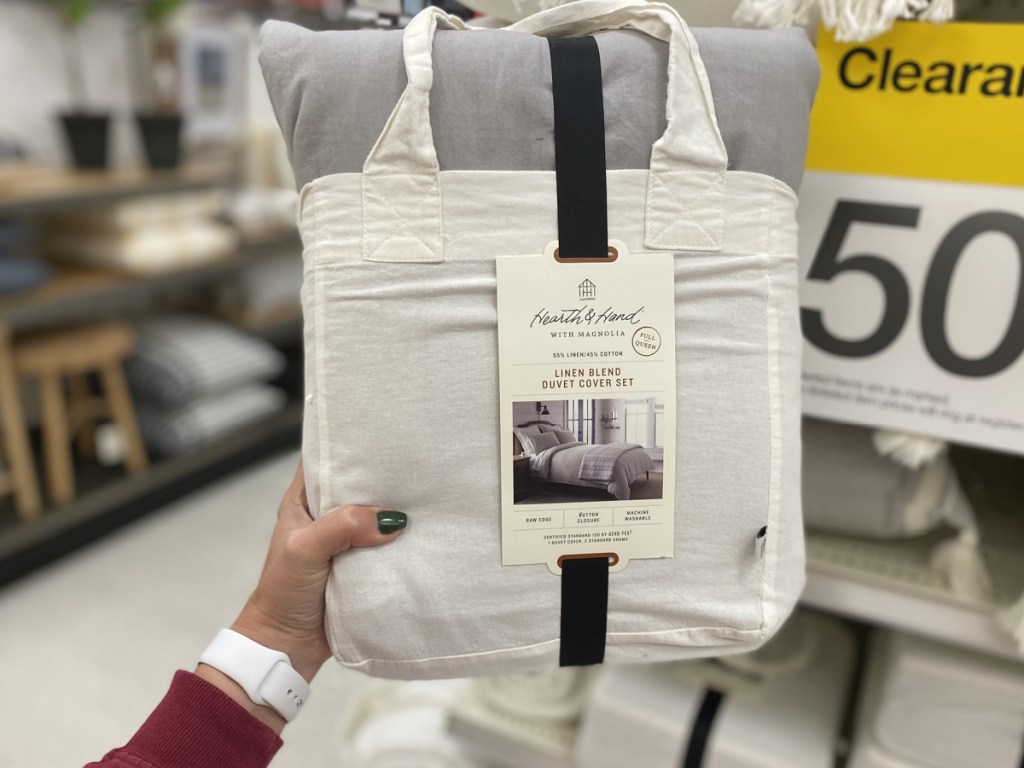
[(294, 509), (347, 527)]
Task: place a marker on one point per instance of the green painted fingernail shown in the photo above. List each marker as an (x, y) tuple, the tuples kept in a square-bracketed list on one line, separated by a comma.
[(389, 521)]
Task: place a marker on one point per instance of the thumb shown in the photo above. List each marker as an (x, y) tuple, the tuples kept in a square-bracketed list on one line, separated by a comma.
[(347, 527)]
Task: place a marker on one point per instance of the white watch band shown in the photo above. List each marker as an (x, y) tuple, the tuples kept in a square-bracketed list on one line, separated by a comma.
[(267, 676)]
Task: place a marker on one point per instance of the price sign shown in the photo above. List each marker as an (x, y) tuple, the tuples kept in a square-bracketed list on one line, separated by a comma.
[(912, 234)]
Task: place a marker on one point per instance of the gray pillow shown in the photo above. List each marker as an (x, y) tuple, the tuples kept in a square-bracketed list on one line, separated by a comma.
[(181, 358), (490, 105), (564, 436), (181, 430), (544, 440), (526, 436)]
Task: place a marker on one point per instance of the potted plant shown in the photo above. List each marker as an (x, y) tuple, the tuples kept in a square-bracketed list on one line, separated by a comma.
[(86, 129), (159, 120)]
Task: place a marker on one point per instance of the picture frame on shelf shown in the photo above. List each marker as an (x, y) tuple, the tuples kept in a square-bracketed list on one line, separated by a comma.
[(213, 84)]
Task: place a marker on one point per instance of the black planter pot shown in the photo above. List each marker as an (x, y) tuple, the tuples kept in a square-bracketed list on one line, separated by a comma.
[(87, 135), (161, 138)]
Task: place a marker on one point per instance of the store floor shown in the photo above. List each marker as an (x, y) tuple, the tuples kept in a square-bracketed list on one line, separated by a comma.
[(89, 644)]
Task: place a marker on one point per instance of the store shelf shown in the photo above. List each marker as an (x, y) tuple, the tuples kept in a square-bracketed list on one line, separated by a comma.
[(77, 294), (26, 546), (31, 190), (891, 584), (80, 293)]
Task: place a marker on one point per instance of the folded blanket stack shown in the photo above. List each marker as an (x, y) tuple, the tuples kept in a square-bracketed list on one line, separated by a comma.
[(778, 707), (145, 235), (887, 485), (195, 379)]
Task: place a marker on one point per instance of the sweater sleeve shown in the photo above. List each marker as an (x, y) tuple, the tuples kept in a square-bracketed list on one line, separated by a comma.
[(196, 725)]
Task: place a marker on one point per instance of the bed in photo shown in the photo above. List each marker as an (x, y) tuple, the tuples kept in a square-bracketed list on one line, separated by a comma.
[(587, 450)]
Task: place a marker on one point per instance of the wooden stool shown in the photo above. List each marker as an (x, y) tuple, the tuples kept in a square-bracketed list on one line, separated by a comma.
[(18, 478), (73, 354)]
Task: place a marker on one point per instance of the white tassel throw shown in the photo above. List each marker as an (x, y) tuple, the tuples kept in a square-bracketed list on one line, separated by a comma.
[(910, 450), (1011, 619), (961, 563), (852, 20)]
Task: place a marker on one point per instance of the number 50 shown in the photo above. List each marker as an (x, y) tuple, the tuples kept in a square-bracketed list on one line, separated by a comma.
[(827, 264)]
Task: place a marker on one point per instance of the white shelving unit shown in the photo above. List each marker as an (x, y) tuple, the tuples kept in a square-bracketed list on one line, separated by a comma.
[(890, 584), (77, 294)]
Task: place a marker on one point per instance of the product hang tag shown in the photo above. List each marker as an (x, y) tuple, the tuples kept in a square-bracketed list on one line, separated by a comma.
[(588, 407)]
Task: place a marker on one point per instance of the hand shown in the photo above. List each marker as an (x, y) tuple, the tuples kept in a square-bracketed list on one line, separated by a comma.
[(286, 611)]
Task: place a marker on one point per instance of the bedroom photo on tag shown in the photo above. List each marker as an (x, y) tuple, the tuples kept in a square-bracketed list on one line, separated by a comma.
[(582, 450)]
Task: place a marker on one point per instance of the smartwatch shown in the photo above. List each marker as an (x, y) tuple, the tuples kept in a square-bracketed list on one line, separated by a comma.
[(267, 676)]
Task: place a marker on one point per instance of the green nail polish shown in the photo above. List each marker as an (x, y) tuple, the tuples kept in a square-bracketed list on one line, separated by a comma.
[(389, 521)]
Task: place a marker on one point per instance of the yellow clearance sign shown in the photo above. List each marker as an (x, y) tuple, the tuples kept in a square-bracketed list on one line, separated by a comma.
[(923, 101)]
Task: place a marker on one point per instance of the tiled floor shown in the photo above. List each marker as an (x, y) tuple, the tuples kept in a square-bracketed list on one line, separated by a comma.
[(89, 645)]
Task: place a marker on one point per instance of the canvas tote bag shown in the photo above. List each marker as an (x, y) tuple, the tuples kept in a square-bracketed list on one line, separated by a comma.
[(402, 384)]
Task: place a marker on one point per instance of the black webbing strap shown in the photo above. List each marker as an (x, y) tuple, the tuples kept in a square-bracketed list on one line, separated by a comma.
[(580, 169), (584, 611), (700, 732), (582, 233)]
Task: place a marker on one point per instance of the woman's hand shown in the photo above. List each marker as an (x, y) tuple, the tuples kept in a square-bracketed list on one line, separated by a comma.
[(286, 611)]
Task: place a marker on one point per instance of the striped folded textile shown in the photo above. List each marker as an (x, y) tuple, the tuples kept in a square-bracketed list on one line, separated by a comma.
[(599, 462), (172, 432), (180, 358)]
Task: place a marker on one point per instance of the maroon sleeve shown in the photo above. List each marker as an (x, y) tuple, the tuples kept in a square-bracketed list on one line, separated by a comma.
[(199, 726)]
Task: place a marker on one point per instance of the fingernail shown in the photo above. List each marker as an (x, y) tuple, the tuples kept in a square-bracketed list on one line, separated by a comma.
[(389, 521)]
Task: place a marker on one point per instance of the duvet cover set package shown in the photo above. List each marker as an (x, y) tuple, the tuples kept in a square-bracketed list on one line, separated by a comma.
[(427, 157), (778, 707), (929, 705)]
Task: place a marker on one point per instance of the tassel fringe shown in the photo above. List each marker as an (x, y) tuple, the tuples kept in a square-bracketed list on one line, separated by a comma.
[(852, 20), (961, 563), (1011, 619), (773, 14), (912, 451)]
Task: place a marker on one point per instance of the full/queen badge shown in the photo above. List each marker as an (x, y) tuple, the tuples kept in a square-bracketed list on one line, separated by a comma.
[(587, 376)]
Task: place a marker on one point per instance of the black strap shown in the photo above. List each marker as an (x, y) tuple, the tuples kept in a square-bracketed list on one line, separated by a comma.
[(584, 611), (701, 730), (580, 180), (580, 169)]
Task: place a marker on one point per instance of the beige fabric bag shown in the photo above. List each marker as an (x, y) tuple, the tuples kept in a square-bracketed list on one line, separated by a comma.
[(402, 409)]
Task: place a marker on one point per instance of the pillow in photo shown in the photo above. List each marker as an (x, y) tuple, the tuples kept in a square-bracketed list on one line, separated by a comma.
[(544, 440), (564, 436), (526, 437)]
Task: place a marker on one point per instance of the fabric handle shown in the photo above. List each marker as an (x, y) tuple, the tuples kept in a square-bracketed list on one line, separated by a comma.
[(686, 183), (691, 140)]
